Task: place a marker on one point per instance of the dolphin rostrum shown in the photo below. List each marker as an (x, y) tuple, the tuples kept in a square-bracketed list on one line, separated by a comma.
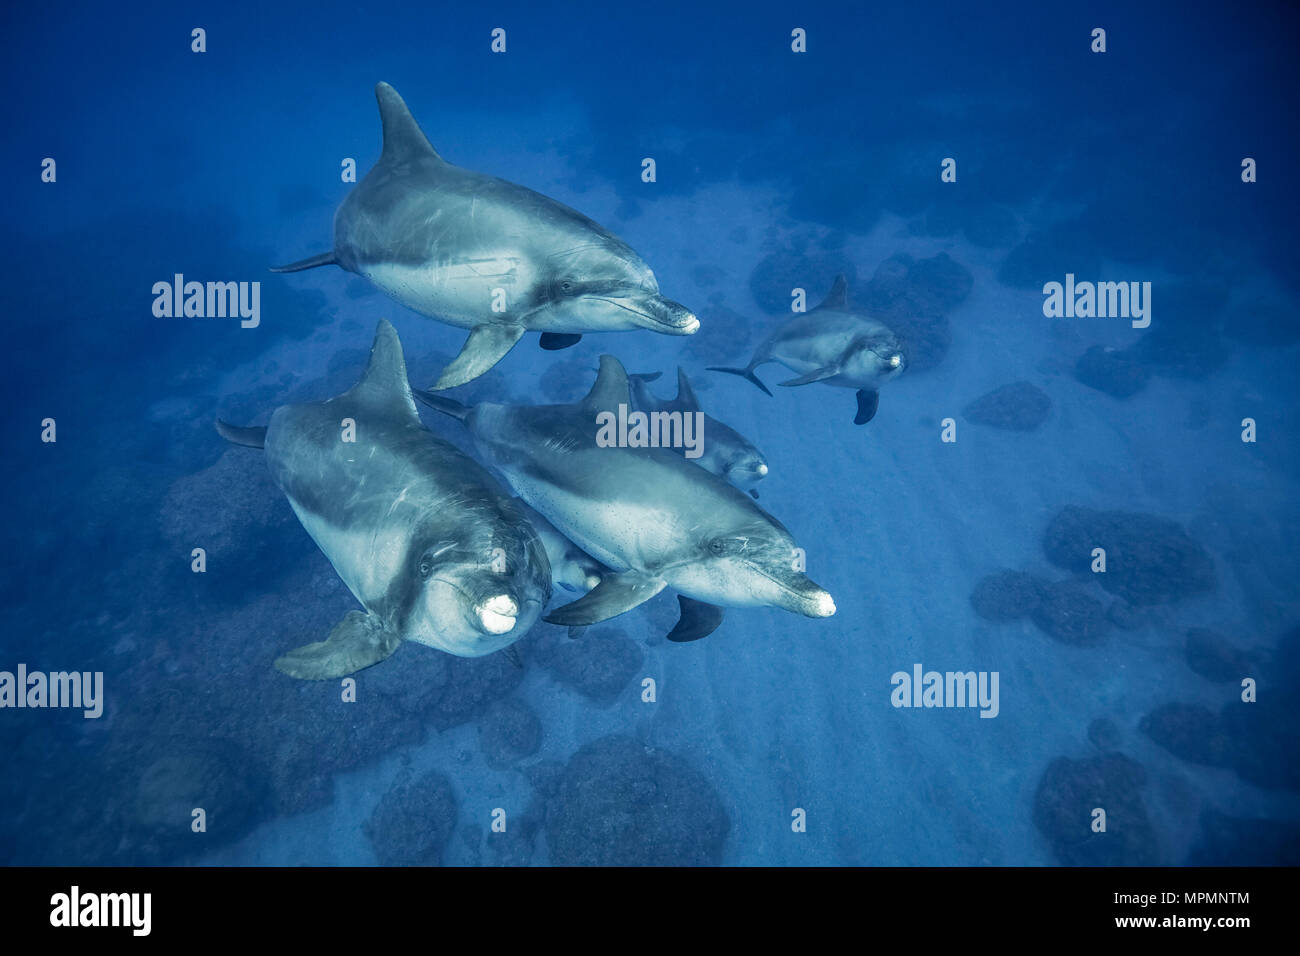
[(726, 453), (423, 537), (836, 345), (650, 515), (486, 255)]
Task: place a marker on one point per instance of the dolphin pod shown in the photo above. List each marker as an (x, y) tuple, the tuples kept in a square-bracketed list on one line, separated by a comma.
[(435, 550), (655, 519), (487, 255), (834, 344), (423, 537)]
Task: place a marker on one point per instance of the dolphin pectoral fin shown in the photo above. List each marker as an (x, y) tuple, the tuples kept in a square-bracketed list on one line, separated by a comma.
[(249, 437), (697, 620), (324, 259), (576, 632), (512, 655), (868, 402), (554, 341), (615, 594), (486, 345), (816, 375), (745, 373), (356, 642)]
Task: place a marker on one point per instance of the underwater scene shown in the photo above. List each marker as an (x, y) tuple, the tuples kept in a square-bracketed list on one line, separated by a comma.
[(746, 434)]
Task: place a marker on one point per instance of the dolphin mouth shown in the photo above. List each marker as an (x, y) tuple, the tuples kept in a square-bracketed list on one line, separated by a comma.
[(810, 600), (656, 313), (498, 614)]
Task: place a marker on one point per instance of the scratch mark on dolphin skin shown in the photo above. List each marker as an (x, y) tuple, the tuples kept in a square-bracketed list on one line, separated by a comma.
[(398, 500)]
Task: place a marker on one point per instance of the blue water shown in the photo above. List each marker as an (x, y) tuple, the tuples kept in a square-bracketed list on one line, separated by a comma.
[(775, 169)]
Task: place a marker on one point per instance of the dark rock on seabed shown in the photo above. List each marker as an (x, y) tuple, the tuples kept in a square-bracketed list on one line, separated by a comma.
[(1020, 406), (1068, 793), (1149, 560), (620, 803)]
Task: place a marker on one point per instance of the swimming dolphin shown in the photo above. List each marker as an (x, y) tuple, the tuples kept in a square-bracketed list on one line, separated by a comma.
[(422, 536), (572, 569), (836, 345), (486, 255), (726, 452), (651, 516)]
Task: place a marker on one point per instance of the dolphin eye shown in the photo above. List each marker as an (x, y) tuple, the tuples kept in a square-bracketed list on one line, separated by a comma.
[(566, 287), (425, 566), (725, 546)]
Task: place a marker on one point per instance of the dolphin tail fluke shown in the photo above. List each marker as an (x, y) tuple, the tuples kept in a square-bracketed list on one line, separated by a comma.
[(249, 437), (697, 620), (445, 405), (745, 373), (324, 259), (487, 344), (615, 594), (356, 642)]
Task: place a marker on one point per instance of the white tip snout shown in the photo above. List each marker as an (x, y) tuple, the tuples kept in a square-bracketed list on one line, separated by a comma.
[(498, 614), (825, 605)]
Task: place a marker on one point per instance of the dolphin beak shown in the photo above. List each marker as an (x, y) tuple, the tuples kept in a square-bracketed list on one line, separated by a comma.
[(812, 601), (498, 614), (823, 605), (658, 314)]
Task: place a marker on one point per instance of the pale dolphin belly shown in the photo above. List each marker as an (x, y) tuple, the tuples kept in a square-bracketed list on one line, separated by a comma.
[(459, 293), (619, 534)]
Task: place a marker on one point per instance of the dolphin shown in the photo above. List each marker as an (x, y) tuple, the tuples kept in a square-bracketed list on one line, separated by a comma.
[(650, 515), (423, 536), (486, 255), (836, 345), (572, 569), (726, 452)]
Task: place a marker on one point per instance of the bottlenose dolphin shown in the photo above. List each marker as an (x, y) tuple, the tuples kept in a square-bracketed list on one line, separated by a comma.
[(572, 569), (655, 519), (423, 536), (727, 453), (836, 345), (486, 255)]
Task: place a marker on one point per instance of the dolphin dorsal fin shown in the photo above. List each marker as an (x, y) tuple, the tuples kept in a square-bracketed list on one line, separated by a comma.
[(686, 394), (384, 381), (838, 297), (611, 388), (403, 138)]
